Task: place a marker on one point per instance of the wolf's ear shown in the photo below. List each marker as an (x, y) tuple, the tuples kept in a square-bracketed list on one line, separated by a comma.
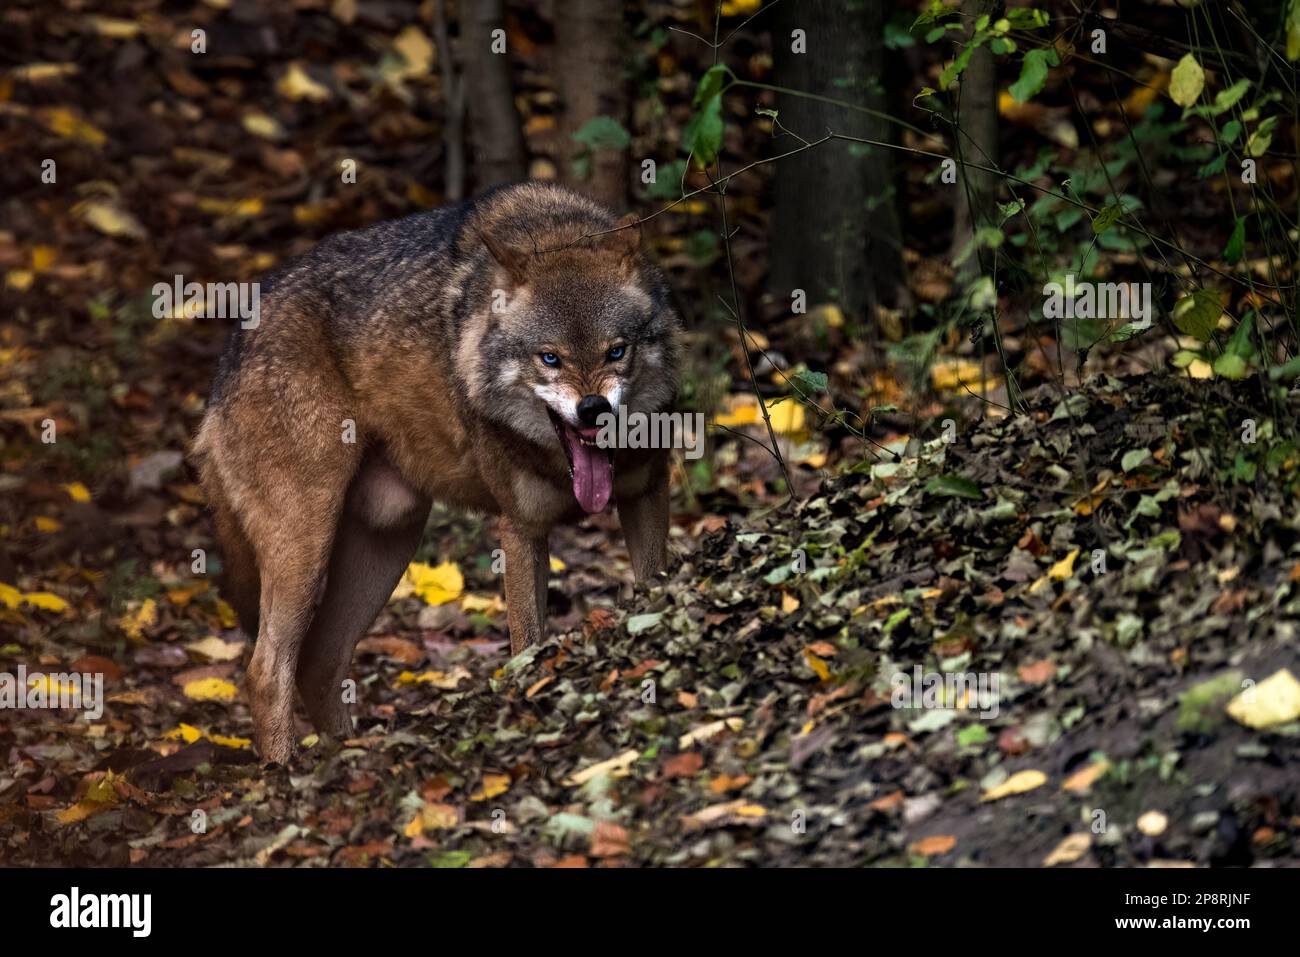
[(515, 260), (625, 241)]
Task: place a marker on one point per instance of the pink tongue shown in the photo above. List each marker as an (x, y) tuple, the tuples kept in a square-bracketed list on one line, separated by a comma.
[(592, 482)]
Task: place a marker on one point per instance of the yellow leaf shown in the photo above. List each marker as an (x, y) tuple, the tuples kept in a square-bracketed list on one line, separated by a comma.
[(787, 417), (1064, 568), (1275, 700), (226, 615), (66, 123), (296, 84), (1018, 783), (1153, 823), (230, 742), (789, 603), (77, 491), (493, 784), (487, 604), (20, 279), (50, 687), (210, 689), (115, 29), (10, 596), (615, 767), (38, 72), (1187, 81), (215, 649), (1085, 777), (231, 207), (46, 524), (134, 623), (956, 375), (186, 732), (1069, 850), (557, 565), (81, 810), (183, 594), (706, 731), (259, 124), (828, 313), (436, 585), (45, 600), (416, 50), (447, 681), (434, 817), (817, 665), (741, 410), (43, 258), (110, 220)]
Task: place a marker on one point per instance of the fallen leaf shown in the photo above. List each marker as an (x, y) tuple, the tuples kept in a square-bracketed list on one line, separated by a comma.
[(210, 689), (934, 845), (1018, 783), (1275, 700), (1069, 850)]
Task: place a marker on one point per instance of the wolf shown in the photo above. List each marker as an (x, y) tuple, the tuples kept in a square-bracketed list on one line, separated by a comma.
[(462, 355)]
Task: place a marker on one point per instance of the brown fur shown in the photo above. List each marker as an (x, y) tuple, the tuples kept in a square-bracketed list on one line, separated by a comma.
[(393, 328)]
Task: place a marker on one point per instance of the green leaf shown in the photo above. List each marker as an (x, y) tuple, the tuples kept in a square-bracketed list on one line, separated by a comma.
[(1293, 31), (1133, 458), (972, 734), (1033, 74), (1027, 18), (603, 133), (1107, 218), (1007, 210), (703, 134), (954, 486), (1187, 81), (1227, 99), (812, 381), (1236, 242), (1258, 143), (639, 623), (1288, 371), (710, 85), (1198, 314), (953, 69), (1240, 344), (1230, 366)]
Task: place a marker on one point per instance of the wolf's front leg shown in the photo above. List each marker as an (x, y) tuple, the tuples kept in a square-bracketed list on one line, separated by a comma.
[(527, 565), (645, 523)]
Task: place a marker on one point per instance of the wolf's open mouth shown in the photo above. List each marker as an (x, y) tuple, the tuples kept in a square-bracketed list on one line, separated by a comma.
[(590, 466)]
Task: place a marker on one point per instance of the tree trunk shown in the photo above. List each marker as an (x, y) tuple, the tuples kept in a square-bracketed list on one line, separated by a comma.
[(453, 95), (590, 55), (835, 227), (977, 141), (495, 132)]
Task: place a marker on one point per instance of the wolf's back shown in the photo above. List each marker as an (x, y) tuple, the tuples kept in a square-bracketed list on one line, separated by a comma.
[(426, 263)]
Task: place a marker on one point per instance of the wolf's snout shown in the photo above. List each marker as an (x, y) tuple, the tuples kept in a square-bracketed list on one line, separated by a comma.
[(591, 408)]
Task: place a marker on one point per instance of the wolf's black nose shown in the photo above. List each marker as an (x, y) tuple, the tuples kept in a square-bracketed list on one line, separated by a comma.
[(592, 407)]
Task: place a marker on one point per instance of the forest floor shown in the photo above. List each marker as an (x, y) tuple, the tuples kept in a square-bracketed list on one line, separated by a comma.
[(739, 711), (743, 710)]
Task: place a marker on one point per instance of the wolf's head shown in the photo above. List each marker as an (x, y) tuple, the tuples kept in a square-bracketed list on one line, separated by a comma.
[(577, 324)]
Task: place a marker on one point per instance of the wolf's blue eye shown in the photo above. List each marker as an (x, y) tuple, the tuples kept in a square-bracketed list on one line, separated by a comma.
[(551, 359), (617, 353)]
